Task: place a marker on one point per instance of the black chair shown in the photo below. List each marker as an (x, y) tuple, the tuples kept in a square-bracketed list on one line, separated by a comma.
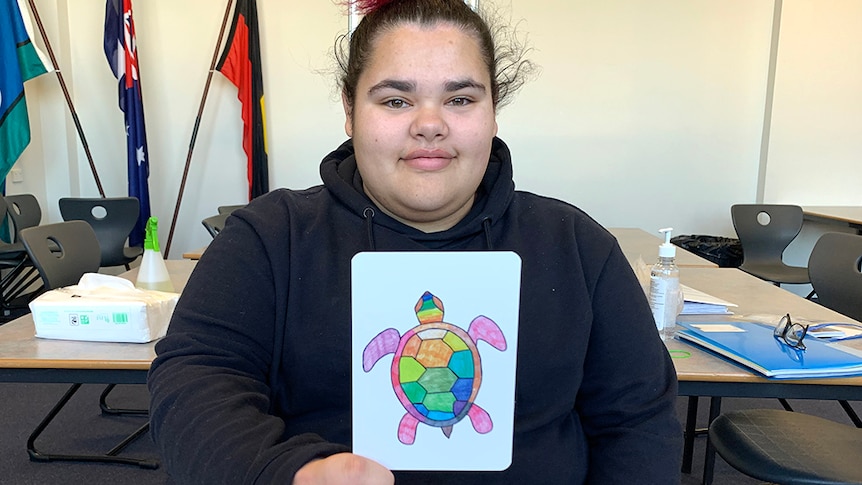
[(19, 275), (214, 224), (24, 211), (62, 253), (765, 231), (227, 209), (834, 270), (112, 219), (788, 448)]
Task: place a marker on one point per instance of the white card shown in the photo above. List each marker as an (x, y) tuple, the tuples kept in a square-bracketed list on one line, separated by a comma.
[(421, 373)]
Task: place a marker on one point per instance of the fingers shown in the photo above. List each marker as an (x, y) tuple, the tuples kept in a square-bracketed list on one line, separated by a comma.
[(344, 469)]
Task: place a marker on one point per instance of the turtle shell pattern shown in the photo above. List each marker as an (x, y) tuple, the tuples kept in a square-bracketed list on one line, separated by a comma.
[(436, 373)]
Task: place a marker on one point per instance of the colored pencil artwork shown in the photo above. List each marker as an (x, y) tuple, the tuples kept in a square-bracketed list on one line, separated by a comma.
[(436, 370)]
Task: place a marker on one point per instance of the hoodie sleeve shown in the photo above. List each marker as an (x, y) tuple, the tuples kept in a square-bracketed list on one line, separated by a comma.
[(210, 398), (628, 401)]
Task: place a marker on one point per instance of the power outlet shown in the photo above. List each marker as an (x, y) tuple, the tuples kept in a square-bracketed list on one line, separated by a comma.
[(17, 175)]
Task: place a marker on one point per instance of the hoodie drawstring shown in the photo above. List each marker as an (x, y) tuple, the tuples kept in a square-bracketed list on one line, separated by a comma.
[(368, 214), (486, 226)]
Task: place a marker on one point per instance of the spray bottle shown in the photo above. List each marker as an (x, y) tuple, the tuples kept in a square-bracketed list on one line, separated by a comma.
[(664, 292), (153, 274)]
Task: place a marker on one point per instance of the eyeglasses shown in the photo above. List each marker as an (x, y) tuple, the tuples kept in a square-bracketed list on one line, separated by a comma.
[(791, 333)]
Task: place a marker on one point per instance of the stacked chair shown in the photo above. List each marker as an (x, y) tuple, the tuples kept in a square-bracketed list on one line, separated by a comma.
[(214, 224), (112, 219), (20, 281)]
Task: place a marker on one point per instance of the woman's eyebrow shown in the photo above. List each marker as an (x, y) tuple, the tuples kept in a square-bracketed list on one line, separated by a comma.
[(404, 86), (410, 86), (460, 84)]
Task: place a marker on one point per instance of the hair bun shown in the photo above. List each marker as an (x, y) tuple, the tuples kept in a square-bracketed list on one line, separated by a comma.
[(366, 7)]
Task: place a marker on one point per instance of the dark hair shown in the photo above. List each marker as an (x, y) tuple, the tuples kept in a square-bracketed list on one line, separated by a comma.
[(505, 63)]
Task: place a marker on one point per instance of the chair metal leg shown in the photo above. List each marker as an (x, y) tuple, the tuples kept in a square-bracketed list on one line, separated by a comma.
[(689, 434), (109, 457), (106, 409), (709, 457), (851, 413), (129, 439)]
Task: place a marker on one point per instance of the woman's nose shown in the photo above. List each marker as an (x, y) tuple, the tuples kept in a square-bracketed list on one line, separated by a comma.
[(429, 123)]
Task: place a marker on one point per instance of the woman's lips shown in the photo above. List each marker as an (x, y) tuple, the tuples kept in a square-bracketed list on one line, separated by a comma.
[(428, 160)]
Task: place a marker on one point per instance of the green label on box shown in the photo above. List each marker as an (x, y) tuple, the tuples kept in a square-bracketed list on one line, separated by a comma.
[(121, 318), (85, 319)]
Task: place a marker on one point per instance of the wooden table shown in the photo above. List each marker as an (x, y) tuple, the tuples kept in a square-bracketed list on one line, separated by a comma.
[(194, 254), (846, 216), (637, 243), (25, 358), (702, 373)]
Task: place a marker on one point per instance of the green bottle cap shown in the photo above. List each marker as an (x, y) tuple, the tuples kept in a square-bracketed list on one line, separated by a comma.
[(151, 240)]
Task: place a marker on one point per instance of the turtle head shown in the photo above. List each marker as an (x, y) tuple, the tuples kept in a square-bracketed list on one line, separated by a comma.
[(429, 309)]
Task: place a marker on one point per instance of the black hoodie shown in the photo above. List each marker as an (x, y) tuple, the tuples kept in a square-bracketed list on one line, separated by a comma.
[(253, 379)]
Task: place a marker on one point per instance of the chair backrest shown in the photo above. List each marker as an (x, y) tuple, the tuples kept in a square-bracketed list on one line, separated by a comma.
[(24, 211), (62, 252), (226, 209), (765, 230), (214, 224), (834, 269), (112, 219)]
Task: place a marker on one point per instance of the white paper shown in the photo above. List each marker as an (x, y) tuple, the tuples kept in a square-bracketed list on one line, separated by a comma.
[(385, 290)]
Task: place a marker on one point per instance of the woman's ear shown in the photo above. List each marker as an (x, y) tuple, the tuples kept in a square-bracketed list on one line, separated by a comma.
[(348, 115)]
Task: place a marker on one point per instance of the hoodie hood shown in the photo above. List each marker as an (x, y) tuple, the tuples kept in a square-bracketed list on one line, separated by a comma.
[(493, 196)]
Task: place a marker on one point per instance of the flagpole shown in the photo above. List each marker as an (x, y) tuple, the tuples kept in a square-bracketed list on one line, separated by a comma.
[(68, 98), (196, 127)]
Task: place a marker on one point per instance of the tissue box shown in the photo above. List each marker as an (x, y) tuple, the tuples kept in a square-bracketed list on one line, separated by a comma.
[(105, 309)]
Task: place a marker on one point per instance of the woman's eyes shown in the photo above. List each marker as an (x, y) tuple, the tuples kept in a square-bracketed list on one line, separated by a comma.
[(395, 103), (398, 103), (460, 101)]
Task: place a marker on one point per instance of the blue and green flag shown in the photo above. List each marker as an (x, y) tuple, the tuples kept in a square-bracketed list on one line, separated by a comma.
[(20, 61)]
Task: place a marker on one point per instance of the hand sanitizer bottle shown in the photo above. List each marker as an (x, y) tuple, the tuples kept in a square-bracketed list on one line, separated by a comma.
[(664, 293), (153, 274)]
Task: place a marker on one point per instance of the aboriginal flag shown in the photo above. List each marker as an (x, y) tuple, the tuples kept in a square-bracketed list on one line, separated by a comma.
[(122, 55), (240, 63)]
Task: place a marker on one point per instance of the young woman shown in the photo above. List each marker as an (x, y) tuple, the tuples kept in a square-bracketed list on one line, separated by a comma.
[(252, 383)]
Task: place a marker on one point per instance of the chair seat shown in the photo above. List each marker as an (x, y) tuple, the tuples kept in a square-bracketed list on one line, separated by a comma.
[(778, 274), (130, 253), (788, 447), (12, 251)]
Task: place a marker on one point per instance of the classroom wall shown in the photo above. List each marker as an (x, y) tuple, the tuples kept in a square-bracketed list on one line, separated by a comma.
[(645, 113)]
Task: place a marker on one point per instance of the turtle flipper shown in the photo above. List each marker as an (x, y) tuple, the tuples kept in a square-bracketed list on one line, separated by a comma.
[(386, 342), (407, 429), (480, 419), (483, 328)]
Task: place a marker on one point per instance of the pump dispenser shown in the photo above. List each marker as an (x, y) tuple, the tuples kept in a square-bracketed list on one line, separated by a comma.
[(665, 297), (153, 273)]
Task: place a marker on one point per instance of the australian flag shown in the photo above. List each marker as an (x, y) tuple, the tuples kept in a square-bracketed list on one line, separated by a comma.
[(123, 57)]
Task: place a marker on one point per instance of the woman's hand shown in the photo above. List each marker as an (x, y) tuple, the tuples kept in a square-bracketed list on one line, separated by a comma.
[(343, 468)]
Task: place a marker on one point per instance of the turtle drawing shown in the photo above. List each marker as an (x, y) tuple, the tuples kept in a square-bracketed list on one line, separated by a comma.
[(436, 370)]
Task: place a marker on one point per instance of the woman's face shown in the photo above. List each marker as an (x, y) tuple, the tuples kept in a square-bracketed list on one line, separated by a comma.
[(422, 124)]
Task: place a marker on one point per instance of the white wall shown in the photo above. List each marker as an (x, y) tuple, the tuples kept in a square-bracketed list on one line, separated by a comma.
[(645, 114)]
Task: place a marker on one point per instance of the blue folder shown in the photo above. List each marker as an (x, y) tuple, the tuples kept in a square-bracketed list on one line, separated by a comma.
[(753, 345)]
